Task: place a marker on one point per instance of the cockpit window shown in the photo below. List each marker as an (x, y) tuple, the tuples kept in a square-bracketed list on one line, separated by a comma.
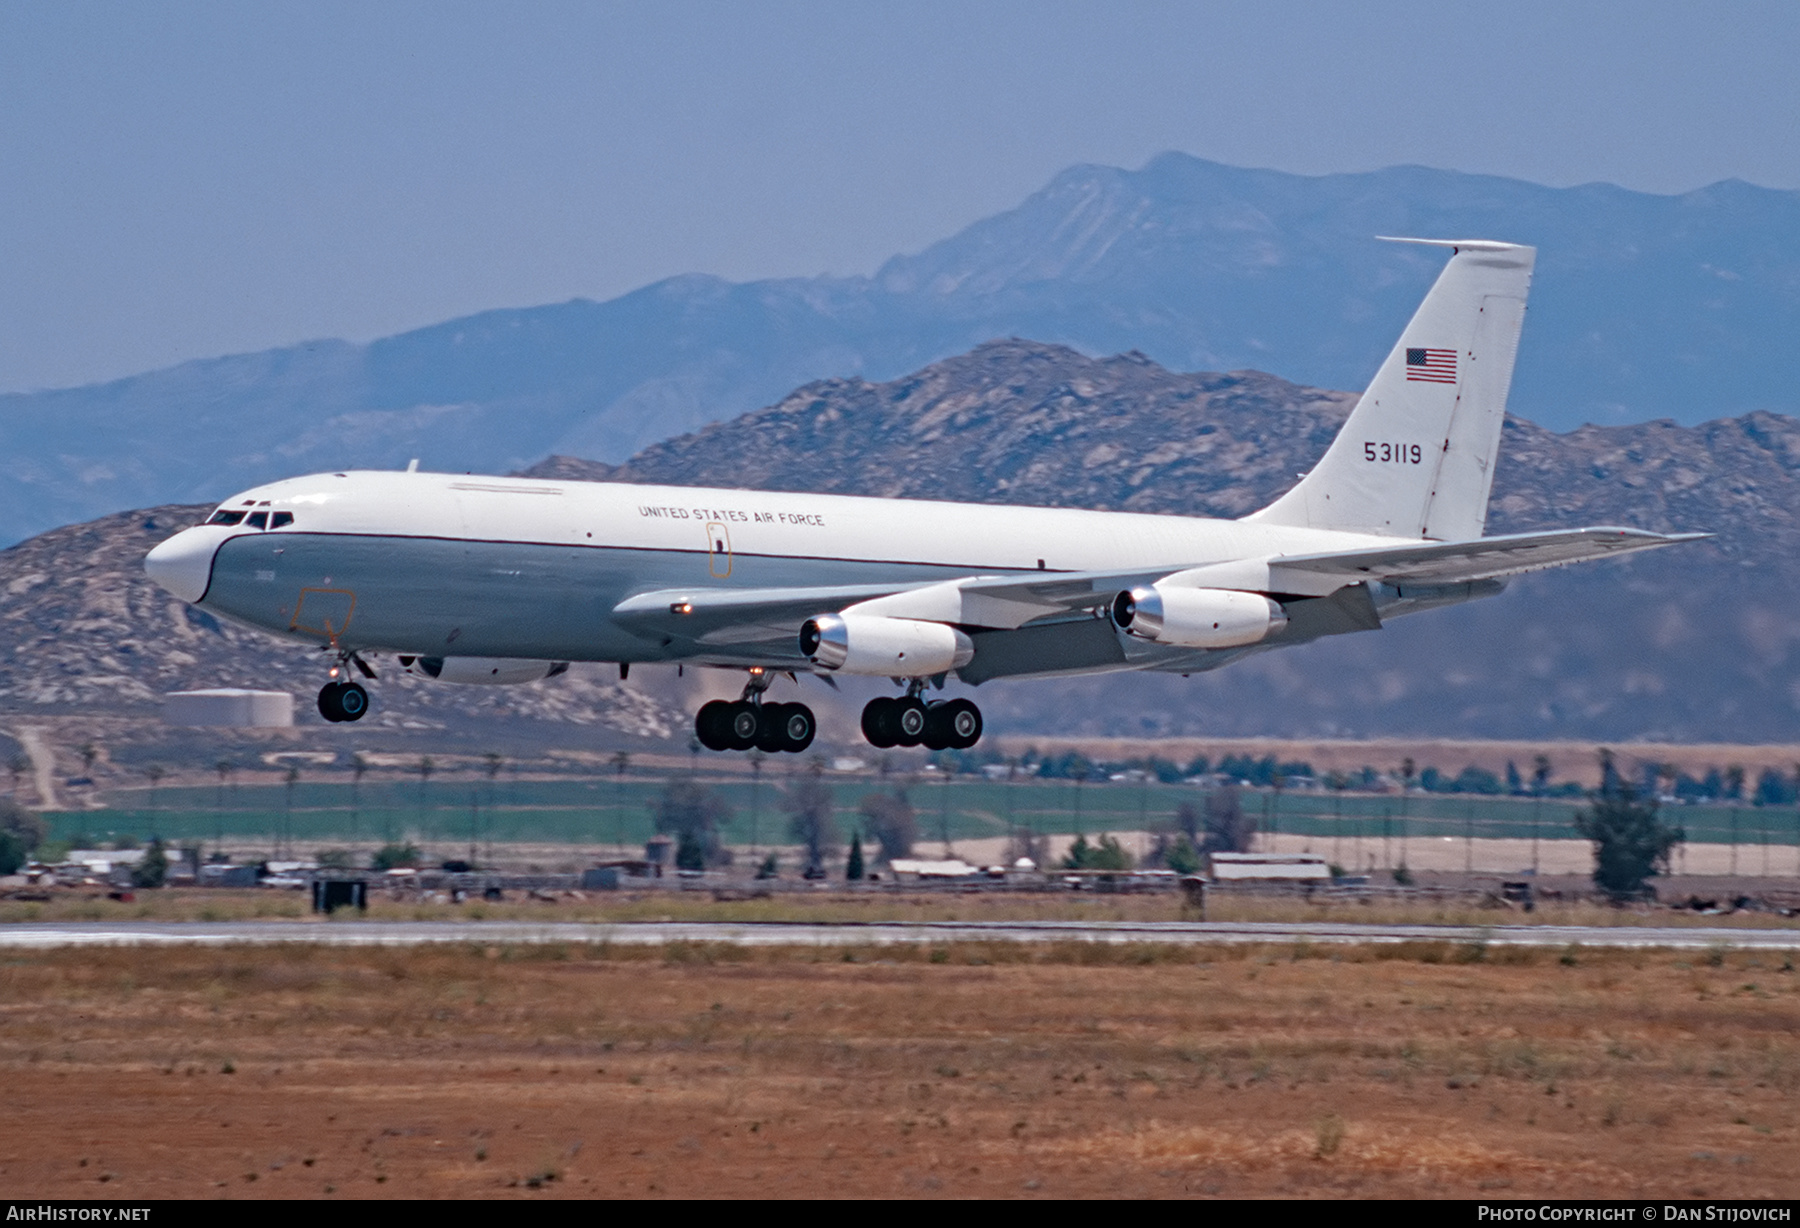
[(279, 520), (259, 520), (223, 516)]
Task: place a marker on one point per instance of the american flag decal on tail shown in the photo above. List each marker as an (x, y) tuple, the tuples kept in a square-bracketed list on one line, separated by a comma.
[(1431, 366)]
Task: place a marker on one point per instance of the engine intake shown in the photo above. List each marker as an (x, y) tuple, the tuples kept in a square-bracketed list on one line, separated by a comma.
[(1197, 617), (883, 647)]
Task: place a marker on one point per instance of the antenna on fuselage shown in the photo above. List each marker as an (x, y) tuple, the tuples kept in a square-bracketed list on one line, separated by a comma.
[(412, 466)]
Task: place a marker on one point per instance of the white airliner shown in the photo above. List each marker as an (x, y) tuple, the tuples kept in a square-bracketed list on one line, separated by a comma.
[(506, 580)]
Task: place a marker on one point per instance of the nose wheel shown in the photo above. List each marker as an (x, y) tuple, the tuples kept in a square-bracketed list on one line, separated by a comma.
[(343, 701)]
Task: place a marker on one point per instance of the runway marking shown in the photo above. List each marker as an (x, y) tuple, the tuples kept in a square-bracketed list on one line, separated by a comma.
[(871, 933)]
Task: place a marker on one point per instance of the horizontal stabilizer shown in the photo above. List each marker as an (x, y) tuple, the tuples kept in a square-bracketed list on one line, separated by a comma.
[(1482, 558)]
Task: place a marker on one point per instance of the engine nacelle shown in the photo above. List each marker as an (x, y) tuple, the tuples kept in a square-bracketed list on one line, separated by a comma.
[(884, 647), (484, 671), (1197, 617)]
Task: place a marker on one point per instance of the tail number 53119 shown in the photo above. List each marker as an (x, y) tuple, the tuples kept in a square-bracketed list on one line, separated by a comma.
[(1393, 453)]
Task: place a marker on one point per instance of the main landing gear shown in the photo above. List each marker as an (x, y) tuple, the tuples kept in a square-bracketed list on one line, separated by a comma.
[(907, 720), (341, 699), (751, 723), (946, 724)]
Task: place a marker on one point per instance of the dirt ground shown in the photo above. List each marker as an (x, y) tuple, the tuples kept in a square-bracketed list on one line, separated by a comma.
[(965, 1071)]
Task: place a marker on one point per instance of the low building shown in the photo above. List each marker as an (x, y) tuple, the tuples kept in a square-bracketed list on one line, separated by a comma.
[(215, 875), (1270, 867), (912, 870), (103, 861)]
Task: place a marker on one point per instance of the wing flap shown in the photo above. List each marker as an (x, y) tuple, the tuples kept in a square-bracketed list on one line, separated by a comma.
[(1482, 558)]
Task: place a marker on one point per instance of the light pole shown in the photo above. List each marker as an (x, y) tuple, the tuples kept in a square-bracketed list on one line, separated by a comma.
[(1407, 770), (621, 761), (495, 762), (756, 768), (1540, 780)]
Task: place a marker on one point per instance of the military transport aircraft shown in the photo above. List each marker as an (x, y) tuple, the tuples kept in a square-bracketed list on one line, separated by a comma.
[(506, 580)]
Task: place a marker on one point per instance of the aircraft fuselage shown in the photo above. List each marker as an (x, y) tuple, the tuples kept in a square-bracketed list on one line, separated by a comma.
[(440, 565)]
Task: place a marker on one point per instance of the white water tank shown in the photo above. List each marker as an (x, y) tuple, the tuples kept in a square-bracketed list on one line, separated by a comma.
[(229, 706)]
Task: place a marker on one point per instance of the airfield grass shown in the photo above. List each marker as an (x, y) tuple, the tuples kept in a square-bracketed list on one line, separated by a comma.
[(215, 904), (620, 813), (1425, 1070)]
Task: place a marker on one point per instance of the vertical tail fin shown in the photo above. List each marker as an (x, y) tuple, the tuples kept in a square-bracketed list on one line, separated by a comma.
[(1416, 457)]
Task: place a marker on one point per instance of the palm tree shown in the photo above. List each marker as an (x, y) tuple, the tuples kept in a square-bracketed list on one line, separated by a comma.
[(155, 773), (1734, 789), (1408, 769), (426, 767), (1335, 781), (1540, 781), (756, 771), (621, 762), (359, 764), (287, 814), (948, 767), (225, 770), (496, 762), (1272, 808), (1797, 818)]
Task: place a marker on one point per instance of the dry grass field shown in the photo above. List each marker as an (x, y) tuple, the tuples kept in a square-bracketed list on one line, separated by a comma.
[(209, 904), (961, 1071)]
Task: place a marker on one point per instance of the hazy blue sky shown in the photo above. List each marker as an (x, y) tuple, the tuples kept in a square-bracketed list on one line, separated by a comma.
[(179, 180)]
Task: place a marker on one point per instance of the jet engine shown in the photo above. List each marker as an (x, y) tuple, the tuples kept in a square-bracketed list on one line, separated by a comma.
[(484, 671), (883, 647), (1197, 617)]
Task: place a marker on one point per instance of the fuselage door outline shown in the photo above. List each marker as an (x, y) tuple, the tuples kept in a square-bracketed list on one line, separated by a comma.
[(332, 607), (718, 549)]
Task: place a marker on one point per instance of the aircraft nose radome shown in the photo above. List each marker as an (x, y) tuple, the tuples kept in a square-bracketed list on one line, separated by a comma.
[(183, 564)]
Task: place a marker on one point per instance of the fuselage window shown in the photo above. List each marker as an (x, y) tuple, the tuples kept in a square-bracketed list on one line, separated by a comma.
[(259, 520), (279, 520), (224, 517)]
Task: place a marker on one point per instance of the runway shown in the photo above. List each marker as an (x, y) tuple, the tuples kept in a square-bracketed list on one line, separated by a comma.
[(355, 933)]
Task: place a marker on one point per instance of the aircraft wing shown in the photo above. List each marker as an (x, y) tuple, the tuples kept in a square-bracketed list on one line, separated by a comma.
[(764, 621), (1483, 558), (741, 616), (726, 616)]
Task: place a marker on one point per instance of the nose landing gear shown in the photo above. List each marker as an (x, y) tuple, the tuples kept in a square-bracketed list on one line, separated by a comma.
[(749, 722), (341, 699)]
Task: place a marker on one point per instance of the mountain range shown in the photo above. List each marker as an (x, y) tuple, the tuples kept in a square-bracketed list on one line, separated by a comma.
[(1681, 307), (1695, 643)]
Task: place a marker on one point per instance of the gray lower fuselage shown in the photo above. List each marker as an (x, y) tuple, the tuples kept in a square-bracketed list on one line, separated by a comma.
[(436, 597), (443, 596)]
